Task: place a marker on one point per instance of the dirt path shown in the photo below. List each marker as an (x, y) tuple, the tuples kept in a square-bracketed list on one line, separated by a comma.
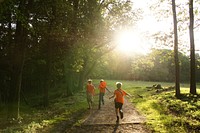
[(104, 120)]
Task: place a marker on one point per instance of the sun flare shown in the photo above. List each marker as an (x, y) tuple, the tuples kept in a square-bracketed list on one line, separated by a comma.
[(129, 43)]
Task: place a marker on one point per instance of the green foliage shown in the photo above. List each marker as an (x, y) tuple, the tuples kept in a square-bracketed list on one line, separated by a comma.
[(163, 68), (155, 66)]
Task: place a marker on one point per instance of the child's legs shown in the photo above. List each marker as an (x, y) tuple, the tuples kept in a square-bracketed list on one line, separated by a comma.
[(120, 106), (120, 111), (100, 97), (89, 100), (116, 111), (103, 98), (117, 106)]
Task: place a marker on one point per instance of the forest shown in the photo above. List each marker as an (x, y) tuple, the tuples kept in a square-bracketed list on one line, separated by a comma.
[(50, 48)]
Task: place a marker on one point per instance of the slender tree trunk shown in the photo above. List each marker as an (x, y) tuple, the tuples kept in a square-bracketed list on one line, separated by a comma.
[(18, 57), (69, 83), (177, 68), (17, 69), (85, 72), (192, 51), (82, 74), (47, 82), (49, 56), (72, 40), (81, 81)]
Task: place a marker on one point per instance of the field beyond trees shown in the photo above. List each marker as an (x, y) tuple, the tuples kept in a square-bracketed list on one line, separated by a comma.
[(163, 111)]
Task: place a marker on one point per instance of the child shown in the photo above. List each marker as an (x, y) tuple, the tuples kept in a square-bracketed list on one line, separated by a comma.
[(102, 90), (90, 93), (119, 100)]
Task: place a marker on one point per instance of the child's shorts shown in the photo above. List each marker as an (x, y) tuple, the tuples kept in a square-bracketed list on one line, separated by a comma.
[(118, 105)]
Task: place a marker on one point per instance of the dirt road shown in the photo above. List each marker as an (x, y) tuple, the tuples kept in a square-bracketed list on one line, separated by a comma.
[(104, 120)]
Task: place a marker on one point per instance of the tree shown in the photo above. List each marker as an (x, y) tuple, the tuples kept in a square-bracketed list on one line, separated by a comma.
[(17, 47), (192, 50), (197, 57), (96, 23), (158, 65), (177, 69)]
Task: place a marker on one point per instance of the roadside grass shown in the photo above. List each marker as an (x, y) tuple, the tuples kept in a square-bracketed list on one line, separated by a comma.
[(69, 110)]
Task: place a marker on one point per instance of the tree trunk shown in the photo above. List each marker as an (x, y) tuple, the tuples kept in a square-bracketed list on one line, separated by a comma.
[(82, 74), (72, 40), (69, 83), (49, 68), (177, 68), (192, 51), (50, 45), (85, 72), (18, 57), (16, 74)]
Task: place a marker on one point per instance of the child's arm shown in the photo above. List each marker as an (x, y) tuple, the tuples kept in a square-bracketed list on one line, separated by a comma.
[(108, 90), (112, 96), (128, 94)]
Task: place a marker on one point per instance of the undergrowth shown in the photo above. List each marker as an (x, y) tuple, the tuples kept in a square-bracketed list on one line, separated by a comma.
[(60, 110)]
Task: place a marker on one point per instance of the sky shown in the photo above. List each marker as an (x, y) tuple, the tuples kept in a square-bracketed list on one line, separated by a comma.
[(135, 40), (150, 24)]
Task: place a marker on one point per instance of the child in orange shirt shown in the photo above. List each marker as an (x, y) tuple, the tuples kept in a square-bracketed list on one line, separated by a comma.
[(90, 93), (119, 100), (102, 90)]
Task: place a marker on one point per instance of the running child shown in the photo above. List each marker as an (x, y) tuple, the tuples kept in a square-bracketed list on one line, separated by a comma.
[(90, 91), (119, 100)]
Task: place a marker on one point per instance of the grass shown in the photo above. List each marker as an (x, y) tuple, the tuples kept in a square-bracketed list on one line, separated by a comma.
[(164, 112), (62, 109)]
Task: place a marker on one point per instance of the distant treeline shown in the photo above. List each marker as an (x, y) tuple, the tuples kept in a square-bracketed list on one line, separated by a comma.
[(158, 65)]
